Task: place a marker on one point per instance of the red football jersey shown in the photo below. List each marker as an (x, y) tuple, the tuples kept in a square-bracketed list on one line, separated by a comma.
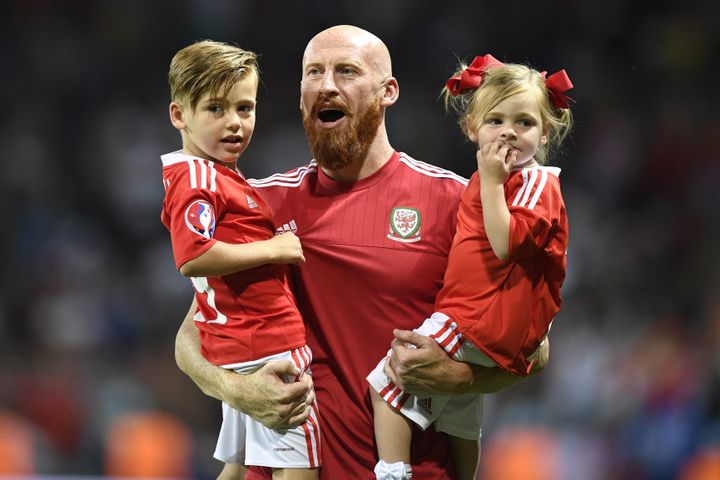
[(247, 315), (376, 251), (505, 307)]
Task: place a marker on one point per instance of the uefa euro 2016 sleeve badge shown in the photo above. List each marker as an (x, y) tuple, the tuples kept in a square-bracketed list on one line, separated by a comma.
[(404, 225), (200, 218)]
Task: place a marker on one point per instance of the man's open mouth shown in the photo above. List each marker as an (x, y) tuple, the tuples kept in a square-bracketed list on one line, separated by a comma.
[(329, 116)]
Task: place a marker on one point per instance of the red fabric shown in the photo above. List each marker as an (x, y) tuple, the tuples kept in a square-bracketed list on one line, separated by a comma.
[(471, 77), (557, 84), (261, 311), (357, 285), (505, 307)]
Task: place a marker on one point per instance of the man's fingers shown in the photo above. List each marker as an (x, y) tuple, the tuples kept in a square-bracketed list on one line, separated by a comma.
[(408, 337), (301, 417), (282, 367), (390, 372)]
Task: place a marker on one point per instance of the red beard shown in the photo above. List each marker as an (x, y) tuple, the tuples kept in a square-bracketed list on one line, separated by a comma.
[(336, 148)]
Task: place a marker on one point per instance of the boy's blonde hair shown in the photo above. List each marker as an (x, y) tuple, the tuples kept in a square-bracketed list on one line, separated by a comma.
[(501, 82), (210, 67)]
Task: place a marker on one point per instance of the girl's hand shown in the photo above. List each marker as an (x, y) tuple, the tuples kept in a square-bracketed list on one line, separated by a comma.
[(495, 160)]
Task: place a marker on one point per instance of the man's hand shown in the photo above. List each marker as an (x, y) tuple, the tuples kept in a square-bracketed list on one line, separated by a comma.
[(265, 397), (262, 394), (417, 364)]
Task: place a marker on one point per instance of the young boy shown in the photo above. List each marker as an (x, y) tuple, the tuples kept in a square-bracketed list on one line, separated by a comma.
[(223, 238)]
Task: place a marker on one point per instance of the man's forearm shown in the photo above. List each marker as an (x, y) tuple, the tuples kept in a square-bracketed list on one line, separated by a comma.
[(491, 380), (189, 359), (263, 395), (427, 369)]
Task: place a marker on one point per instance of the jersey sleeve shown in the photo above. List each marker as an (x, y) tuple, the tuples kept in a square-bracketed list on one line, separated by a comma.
[(190, 214), (536, 209)]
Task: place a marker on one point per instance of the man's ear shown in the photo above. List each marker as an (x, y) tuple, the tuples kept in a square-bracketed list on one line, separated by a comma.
[(176, 115), (391, 92)]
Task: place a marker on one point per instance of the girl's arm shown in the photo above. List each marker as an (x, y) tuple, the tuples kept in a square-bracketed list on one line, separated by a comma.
[(494, 165)]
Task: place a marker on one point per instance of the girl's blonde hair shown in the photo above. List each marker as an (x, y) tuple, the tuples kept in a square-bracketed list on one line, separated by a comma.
[(210, 67), (501, 82)]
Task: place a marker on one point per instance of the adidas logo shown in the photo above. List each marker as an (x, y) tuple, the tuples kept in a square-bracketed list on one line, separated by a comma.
[(287, 227), (425, 404), (251, 203)]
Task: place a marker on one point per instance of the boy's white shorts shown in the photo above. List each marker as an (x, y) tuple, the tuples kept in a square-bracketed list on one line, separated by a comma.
[(244, 440), (456, 415)]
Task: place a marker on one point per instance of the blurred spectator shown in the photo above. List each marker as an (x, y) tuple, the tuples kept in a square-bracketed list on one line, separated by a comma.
[(90, 301)]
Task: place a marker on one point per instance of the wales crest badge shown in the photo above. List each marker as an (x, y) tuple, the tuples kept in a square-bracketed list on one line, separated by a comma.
[(404, 225)]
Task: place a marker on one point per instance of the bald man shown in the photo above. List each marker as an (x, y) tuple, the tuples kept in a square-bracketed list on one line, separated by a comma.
[(376, 227)]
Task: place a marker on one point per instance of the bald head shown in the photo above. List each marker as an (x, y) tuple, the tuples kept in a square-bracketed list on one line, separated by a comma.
[(353, 39)]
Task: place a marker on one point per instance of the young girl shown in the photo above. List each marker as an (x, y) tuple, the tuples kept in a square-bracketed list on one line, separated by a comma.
[(507, 263)]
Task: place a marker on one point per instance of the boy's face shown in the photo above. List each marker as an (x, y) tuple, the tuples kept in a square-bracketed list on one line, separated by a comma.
[(220, 128)]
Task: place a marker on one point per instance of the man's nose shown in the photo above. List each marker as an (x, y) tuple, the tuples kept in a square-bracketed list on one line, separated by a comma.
[(327, 83)]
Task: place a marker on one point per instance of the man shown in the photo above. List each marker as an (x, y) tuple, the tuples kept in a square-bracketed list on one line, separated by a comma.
[(376, 227)]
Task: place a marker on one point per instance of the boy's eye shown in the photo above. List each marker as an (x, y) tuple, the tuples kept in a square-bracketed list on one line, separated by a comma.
[(215, 108)]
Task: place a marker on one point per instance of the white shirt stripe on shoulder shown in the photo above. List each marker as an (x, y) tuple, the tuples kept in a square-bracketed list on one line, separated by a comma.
[(193, 175), (291, 179), (203, 173), (430, 170), (539, 189), (534, 181), (207, 180)]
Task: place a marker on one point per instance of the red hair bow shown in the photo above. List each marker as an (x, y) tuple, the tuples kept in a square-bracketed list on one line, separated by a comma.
[(471, 77), (557, 84)]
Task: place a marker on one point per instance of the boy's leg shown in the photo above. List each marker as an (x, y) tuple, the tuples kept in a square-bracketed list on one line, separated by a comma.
[(296, 474), (232, 471), (466, 454), (393, 434)]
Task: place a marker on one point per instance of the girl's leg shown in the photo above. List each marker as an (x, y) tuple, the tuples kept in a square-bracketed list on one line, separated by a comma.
[(393, 432)]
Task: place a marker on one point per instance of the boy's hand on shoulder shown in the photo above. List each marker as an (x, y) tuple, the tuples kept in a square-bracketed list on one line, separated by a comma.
[(286, 248)]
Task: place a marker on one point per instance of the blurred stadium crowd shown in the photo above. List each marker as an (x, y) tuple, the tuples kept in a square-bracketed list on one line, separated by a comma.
[(90, 301)]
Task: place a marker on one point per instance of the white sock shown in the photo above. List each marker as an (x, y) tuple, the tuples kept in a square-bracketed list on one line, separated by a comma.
[(393, 471)]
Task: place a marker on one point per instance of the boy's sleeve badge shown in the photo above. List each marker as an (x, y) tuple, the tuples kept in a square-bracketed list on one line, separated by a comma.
[(200, 218)]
